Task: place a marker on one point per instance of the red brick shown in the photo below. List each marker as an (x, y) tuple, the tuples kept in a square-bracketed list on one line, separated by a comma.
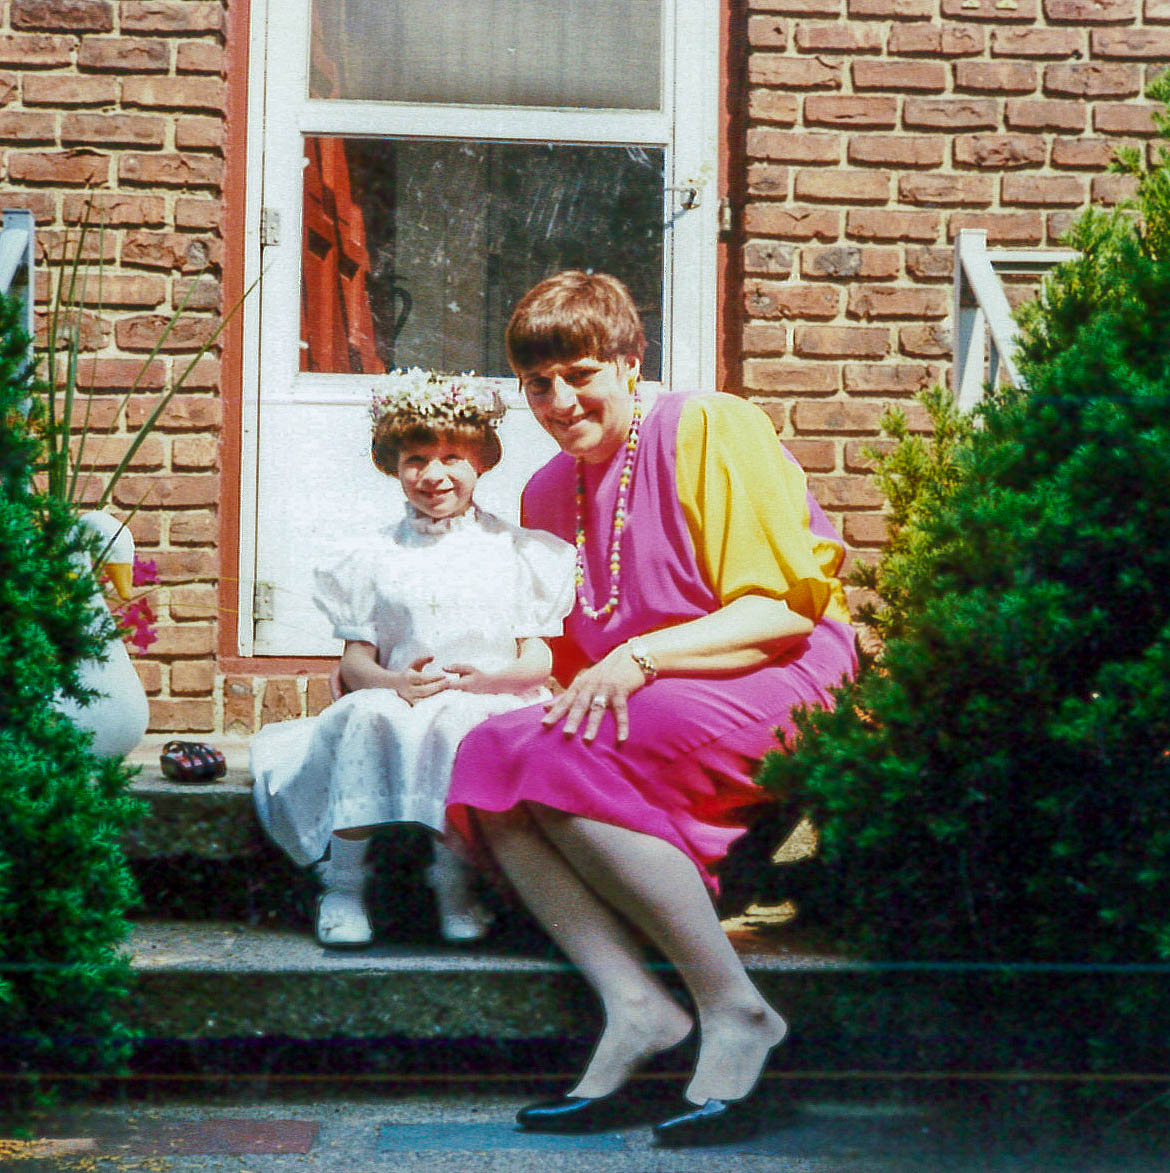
[(848, 260), (794, 73), (182, 412), (1036, 190), (124, 55), (950, 114), (929, 340), (105, 452), (836, 415), (239, 705), (120, 374), (846, 492), (170, 170), (1093, 154), (930, 264), (317, 695), (797, 7), (162, 250), (194, 527), (866, 529), (58, 15), (78, 167), (172, 491), (764, 338), (114, 209), (27, 126), (874, 224), (199, 134), (134, 290), (1057, 225), (942, 190), (843, 186), (141, 333), (935, 40), (887, 378), (1113, 189), (149, 673), (768, 180), (180, 716), (282, 700), (857, 452), (199, 57), (897, 150), (773, 106), (172, 16), (1124, 118), (1002, 227), (779, 299), (929, 76), (113, 130), (851, 110), (185, 566), (174, 93), (1018, 42), (35, 50), (1090, 79), (203, 293), (8, 88), (192, 677), (768, 32), (792, 223), (1045, 114), (1025, 11), (870, 302), (838, 38), (1157, 11), (767, 256), (995, 77), (999, 151), (55, 89), (193, 601), (183, 639), (1131, 44), (789, 377), (194, 453), (793, 146), (841, 341), (1091, 11), (205, 375), (814, 455), (893, 9), (199, 213)]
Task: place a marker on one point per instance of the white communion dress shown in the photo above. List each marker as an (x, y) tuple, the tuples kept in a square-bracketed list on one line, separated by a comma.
[(462, 590)]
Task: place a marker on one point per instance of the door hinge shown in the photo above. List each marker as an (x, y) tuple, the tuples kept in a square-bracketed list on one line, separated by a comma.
[(725, 215), (269, 227), (262, 601)]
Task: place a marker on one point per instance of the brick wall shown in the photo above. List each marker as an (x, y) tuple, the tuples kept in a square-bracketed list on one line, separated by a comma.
[(870, 134), (874, 130)]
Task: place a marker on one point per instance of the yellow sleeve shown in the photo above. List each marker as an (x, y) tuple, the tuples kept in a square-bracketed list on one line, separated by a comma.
[(745, 506)]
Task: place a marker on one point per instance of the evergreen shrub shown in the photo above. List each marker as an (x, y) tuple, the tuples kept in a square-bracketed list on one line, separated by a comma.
[(64, 884), (995, 786)]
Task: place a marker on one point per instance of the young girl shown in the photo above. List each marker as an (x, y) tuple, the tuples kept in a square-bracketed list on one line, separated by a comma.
[(443, 619)]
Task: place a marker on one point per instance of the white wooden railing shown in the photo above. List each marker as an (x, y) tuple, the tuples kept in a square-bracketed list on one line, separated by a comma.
[(985, 334), (18, 259)]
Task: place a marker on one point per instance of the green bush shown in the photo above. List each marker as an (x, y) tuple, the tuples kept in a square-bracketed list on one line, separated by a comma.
[(64, 885), (995, 786)]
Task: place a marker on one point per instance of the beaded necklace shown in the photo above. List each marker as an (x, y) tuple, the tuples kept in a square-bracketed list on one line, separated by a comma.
[(619, 523)]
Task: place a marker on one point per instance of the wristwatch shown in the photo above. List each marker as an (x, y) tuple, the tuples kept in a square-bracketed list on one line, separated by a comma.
[(642, 658)]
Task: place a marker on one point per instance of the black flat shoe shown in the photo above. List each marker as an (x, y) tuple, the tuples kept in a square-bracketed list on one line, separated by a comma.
[(715, 1122), (581, 1114)]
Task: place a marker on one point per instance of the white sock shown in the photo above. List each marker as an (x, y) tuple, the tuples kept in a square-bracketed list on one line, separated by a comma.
[(347, 858)]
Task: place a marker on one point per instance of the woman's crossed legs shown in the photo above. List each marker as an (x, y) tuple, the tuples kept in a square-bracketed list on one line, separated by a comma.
[(584, 880)]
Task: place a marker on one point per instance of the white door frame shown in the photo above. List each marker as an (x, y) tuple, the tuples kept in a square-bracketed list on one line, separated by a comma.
[(279, 116)]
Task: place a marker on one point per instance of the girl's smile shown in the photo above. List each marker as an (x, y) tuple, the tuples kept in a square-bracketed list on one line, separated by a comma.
[(439, 478)]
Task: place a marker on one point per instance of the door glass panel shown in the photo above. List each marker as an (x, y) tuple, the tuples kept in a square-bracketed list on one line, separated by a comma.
[(415, 251), (599, 54)]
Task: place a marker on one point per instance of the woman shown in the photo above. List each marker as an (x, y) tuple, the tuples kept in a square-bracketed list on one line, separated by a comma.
[(706, 611)]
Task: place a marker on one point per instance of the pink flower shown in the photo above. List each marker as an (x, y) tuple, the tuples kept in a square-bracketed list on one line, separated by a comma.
[(145, 571)]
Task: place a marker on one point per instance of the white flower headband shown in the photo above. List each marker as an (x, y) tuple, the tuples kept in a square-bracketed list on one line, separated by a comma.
[(435, 399)]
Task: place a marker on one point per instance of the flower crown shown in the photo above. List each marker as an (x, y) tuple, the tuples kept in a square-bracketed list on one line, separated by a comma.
[(435, 399)]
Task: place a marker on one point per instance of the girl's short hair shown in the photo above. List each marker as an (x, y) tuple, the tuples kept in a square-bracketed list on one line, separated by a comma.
[(392, 433), (574, 315)]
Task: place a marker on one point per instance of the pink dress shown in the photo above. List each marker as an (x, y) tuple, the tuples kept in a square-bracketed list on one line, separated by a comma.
[(695, 538)]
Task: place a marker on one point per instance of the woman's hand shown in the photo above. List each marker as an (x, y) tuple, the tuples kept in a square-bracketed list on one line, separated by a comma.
[(605, 685)]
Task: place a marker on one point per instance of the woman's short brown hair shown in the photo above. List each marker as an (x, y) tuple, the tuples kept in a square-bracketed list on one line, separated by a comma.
[(574, 315), (392, 433)]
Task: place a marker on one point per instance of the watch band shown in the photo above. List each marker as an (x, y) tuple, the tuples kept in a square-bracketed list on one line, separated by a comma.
[(642, 658)]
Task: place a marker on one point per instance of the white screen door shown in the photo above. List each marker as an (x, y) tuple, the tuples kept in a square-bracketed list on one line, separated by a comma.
[(414, 168)]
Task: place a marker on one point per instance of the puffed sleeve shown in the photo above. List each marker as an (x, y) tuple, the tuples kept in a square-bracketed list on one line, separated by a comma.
[(546, 589), (344, 591), (746, 506)]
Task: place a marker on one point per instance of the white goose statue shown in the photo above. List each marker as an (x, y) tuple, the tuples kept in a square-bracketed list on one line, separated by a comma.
[(119, 715)]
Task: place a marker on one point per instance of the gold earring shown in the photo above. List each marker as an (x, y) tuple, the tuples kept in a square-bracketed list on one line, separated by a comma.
[(633, 384)]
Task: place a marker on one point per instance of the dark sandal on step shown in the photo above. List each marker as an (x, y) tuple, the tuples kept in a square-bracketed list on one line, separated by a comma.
[(191, 761)]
